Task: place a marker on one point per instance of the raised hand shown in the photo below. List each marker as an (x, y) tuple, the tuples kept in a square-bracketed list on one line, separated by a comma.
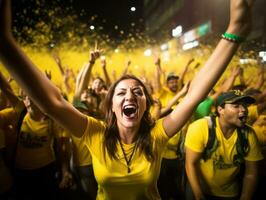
[(240, 17)]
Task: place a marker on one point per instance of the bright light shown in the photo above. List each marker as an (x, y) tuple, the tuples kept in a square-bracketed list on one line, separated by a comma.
[(133, 9), (92, 27), (102, 57), (147, 52), (243, 61), (177, 31), (116, 50), (166, 56), (190, 45), (164, 47), (247, 61), (262, 53), (136, 67)]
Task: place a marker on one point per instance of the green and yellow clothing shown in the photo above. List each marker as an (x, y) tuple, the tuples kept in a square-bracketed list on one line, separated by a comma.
[(219, 172), (114, 181), (203, 109)]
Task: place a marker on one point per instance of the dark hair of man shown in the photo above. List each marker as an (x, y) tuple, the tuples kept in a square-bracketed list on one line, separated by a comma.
[(216, 110), (111, 135)]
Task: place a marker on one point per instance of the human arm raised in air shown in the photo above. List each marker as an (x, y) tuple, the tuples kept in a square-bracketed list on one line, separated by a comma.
[(35, 84), (209, 74)]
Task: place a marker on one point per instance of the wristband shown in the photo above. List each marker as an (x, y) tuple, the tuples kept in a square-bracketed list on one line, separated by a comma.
[(233, 38)]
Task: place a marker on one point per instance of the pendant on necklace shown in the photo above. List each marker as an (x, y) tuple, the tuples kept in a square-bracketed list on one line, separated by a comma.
[(128, 170)]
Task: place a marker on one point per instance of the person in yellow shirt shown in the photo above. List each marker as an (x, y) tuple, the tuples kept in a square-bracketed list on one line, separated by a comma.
[(215, 175), (174, 83), (127, 148)]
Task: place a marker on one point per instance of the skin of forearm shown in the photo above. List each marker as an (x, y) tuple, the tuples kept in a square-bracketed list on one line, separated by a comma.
[(249, 185), (22, 73)]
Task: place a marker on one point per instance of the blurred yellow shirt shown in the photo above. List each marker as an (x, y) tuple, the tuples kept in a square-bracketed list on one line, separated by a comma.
[(35, 146)]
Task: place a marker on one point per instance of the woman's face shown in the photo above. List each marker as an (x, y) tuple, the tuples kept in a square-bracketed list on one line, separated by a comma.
[(129, 103)]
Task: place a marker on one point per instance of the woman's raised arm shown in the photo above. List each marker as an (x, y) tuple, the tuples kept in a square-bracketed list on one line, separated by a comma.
[(33, 81), (206, 78)]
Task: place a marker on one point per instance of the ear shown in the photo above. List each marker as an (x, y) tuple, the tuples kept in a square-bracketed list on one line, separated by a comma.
[(220, 110)]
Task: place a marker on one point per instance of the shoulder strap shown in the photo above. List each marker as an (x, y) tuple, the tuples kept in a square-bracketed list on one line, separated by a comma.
[(212, 143), (181, 146), (242, 145)]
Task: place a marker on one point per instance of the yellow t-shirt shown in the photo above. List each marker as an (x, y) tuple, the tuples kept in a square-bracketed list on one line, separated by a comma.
[(81, 153), (35, 146), (219, 173), (114, 181), (165, 95), (260, 129), (252, 114), (170, 151)]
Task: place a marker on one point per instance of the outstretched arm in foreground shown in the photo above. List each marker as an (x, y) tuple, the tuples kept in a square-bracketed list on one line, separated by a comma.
[(208, 75), (33, 81)]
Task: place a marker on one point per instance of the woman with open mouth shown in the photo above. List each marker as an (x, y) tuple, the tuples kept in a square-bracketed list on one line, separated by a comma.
[(127, 148)]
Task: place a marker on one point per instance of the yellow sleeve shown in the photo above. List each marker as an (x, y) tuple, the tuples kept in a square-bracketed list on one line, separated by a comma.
[(197, 135), (58, 131), (252, 114), (7, 115), (261, 134), (254, 153)]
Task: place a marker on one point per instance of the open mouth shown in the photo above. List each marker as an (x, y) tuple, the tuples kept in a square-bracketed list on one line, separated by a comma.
[(130, 110), (242, 118)]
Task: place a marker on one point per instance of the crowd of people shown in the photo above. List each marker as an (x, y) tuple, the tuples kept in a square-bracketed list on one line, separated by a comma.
[(164, 137)]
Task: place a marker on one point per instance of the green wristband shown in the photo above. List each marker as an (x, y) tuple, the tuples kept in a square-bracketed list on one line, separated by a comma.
[(233, 38)]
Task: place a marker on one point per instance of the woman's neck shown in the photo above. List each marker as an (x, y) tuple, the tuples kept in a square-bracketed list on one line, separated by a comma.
[(128, 135)]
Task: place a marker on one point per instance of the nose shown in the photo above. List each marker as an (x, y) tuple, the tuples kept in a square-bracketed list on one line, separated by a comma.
[(129, 95), (243, 108)]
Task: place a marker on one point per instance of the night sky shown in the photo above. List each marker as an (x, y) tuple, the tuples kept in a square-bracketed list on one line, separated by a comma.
[(113, 20)]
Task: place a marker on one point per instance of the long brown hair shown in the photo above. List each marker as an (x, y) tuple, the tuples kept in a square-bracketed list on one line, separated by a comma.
[(111, 135)]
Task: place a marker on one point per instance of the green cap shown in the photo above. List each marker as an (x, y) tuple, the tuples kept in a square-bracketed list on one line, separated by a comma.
[(234, 96)]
